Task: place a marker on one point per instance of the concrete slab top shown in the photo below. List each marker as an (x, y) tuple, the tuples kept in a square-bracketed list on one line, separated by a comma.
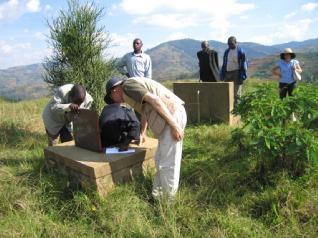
[(94, 164)]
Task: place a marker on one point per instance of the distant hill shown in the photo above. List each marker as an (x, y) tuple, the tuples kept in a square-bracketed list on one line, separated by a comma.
[(301, 46), (171, 60), (174, 59), (23, 82), (177, 59)]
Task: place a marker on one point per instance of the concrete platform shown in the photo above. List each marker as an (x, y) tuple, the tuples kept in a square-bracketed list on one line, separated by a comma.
[(98, 171), (209, 101)]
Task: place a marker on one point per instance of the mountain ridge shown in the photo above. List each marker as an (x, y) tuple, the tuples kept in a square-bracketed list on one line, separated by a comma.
[(171, 60)]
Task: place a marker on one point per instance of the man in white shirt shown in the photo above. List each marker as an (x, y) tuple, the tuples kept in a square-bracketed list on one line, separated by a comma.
[(136, 63), (234, 68), (60, 110)]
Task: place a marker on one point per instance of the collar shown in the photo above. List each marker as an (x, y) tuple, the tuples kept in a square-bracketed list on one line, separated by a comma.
[(137, 54)]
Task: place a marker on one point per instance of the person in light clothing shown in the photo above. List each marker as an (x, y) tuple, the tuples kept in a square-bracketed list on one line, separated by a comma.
[(284, 70), (136, 63), (234, 68), (59, 112), (165, 115)]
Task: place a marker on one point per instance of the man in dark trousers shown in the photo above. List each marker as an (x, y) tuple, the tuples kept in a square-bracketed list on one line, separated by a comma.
[(234, 68), (208, 63)]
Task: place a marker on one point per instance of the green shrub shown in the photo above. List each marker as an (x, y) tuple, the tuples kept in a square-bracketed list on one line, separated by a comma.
[(271, 136)]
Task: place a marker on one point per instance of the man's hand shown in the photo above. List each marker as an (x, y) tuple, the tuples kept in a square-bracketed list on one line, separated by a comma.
[(177, 132), (142, 139), (74, 108)]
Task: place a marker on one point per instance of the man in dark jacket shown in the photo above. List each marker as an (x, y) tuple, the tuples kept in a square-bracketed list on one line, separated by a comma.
[(234, 68), (119, 126), (208, 63)]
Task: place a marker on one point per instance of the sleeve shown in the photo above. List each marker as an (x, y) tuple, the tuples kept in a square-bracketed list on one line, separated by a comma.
[(295, 62), (57, 104), (148, 67), (216, 59), (88, 101), (134, 90)]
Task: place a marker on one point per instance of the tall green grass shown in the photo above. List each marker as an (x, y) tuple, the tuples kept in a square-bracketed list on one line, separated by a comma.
[(220, 194)]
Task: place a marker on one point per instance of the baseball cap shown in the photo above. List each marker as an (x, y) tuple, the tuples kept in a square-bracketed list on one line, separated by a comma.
[(114, 81)]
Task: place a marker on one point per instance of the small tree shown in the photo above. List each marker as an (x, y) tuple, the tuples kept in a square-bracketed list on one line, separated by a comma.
[(78, 45)]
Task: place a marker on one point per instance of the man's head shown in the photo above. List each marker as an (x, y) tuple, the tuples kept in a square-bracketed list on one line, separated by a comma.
[(114, 91), (77, 94), (204, 45), (137, 44), (231, 42)]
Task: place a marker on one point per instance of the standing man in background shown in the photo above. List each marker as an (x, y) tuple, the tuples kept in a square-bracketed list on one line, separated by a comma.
[(137, 63), (234, 68), (60, 111), (208, 63)]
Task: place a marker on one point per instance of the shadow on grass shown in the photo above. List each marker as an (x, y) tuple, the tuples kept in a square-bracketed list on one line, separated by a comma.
[(14, 137)]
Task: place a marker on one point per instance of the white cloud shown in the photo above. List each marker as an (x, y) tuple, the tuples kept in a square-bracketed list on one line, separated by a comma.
[(47, 7), (179, 14), (26, 45), (121, 44), (39, 35), (33, 5), (174, 21), (5, 48), (309, 6), (110, 11), (177, 36), (14, 54), (288, 31), (13, 9), (244, 17), (290, 15)]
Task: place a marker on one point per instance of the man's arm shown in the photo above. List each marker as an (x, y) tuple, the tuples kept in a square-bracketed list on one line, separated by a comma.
[(143, 128), (148, 68), (161, 108), (216, 59), (57, 104)]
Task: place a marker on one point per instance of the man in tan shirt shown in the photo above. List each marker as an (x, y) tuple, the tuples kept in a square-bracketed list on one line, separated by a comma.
[(165, 115)]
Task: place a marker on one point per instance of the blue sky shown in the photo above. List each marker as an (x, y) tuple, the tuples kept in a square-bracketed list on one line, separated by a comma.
[(23, 27)]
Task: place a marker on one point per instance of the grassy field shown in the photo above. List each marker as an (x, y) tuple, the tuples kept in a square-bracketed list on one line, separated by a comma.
[(220, 193)]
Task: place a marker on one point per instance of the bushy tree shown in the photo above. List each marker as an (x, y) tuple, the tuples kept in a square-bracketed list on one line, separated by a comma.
[(78, 47)]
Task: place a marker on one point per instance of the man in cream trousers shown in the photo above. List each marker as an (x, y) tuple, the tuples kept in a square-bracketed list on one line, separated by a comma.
[(165, 115), (60, 110)]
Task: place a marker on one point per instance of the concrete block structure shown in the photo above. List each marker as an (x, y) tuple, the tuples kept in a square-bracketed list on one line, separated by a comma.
[(98, 171), (207, 101)]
